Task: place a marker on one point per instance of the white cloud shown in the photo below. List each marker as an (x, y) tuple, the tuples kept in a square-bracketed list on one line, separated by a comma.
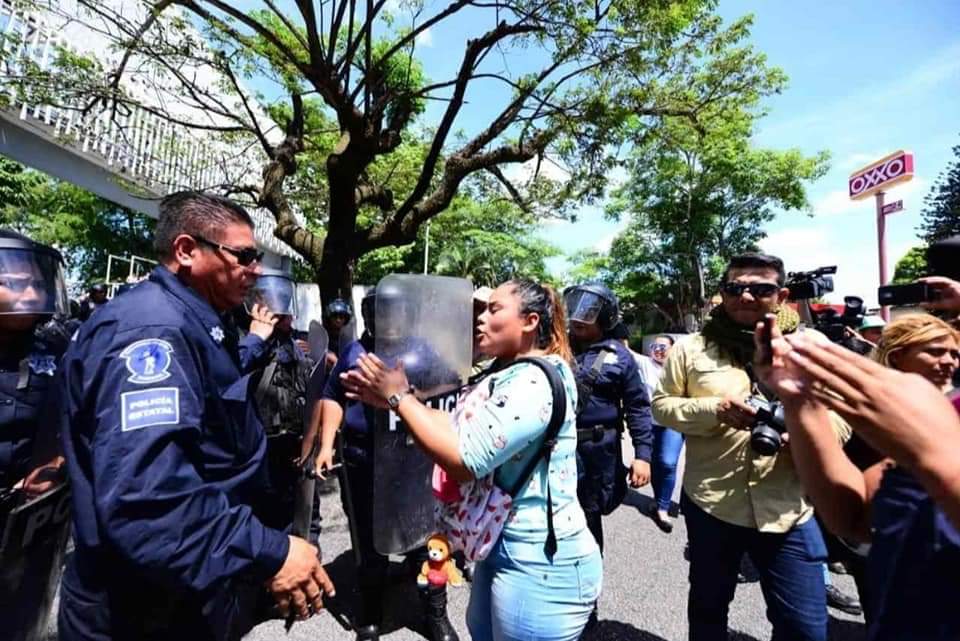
[(837, 202), (425, 38), (941, 66), (806, 248), (859, 159)]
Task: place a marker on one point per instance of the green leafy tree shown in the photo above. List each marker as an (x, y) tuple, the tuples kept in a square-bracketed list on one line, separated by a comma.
[(912, 266), (85, 228), (699, 192), (588, 75), (483, 236), (941, 207)]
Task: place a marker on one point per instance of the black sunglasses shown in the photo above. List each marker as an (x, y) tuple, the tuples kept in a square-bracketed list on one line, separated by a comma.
[(757, 290), (245, 257)]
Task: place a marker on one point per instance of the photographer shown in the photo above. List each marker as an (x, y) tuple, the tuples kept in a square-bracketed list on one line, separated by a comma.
[(915, 553), (736, 500)]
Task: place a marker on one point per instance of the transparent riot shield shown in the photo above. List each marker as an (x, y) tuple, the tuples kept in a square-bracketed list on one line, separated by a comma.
[(319, 341), (33, 540), (426, 322)]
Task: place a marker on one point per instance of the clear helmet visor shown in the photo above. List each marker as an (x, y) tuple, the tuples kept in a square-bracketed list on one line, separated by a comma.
[(583, 306), (277, 293), (393, 318), (31, 283)]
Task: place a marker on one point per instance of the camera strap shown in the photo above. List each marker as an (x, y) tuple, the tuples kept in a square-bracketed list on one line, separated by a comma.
[(757, 386)]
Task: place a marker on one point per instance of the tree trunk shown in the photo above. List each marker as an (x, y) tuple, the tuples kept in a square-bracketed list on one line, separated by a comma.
[(335, 271)]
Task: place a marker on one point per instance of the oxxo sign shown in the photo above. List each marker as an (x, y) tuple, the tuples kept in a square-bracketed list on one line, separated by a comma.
[(877, 176)]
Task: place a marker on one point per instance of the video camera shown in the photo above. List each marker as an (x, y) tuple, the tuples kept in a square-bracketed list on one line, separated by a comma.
[(768, 426), (811, 284)]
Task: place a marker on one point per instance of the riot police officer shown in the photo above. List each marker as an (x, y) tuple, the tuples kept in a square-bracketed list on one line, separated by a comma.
[(165, 451), (336, 316), (34, 502), (381, 331), (612, 394), (96, 297), (281, 373)]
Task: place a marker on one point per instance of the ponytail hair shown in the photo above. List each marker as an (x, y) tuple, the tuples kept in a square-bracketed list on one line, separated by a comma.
[(544, 301)]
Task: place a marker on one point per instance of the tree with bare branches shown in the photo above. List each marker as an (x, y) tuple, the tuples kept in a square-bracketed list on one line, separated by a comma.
[(367, 147)]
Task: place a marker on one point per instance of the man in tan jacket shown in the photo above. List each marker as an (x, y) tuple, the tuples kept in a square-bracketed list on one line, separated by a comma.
[(737, 501)]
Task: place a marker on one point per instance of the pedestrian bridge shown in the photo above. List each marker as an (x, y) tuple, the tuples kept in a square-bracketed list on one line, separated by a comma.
[(132, 157)]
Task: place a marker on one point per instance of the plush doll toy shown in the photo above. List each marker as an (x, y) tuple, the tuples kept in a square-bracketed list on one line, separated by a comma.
[(439, 568)]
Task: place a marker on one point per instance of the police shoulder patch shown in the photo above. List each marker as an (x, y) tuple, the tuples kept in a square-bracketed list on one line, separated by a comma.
[(145, 408), (148, 360)]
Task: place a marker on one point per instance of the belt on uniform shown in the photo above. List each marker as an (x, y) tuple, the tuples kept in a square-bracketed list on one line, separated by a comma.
[(594, 433)]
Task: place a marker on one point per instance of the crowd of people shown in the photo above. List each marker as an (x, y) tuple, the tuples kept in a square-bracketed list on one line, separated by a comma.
[(176, 434)]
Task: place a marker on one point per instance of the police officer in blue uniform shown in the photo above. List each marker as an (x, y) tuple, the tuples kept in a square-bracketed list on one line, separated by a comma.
[(613, 394), (166, 453), (357, 486), (33, 301)]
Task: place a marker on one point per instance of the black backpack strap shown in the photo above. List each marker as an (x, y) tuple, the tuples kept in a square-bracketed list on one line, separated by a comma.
[(587, 381), (557, 416)]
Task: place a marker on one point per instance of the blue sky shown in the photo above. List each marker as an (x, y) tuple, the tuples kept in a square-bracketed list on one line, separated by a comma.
[(866, 79)]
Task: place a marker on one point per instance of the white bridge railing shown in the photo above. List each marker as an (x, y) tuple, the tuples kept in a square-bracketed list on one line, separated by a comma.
[(149, 154)]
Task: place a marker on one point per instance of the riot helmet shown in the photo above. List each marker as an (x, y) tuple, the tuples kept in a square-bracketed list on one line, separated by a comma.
[(31, 278), (592, 303), (276, 290), (368, 310), (336, 315), (393, 310), (338, 307)]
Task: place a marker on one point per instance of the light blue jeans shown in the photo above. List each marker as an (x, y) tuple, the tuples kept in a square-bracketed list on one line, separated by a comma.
[(519, 595)]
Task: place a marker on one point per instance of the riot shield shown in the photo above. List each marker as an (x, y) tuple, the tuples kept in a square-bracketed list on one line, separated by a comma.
[(425, 322), (319, 342), (33, 539)]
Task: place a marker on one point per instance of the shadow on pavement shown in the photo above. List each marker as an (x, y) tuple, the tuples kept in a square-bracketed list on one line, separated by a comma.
[(619, 631), (401, 600), (846, 630)]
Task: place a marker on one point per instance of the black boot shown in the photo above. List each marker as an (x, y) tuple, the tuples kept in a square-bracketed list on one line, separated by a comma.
[(434, 599), (370, 614)]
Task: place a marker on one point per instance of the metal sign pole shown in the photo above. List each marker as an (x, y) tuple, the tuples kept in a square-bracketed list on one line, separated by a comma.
[(882, 249)]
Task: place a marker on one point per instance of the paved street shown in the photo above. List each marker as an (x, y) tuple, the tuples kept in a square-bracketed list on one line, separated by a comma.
[(644, 594)]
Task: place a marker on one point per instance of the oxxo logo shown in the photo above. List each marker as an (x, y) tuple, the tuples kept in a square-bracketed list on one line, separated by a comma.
[(892, 169)]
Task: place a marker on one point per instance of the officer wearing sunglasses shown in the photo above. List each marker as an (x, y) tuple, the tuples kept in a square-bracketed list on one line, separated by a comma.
[(735, 500), (161, 414)]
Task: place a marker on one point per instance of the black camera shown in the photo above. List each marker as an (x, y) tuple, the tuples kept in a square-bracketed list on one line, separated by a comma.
[(768, 426), (811, 284), (834, 325), (912, 294)]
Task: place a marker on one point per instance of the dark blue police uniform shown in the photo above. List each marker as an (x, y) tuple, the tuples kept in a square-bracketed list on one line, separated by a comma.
[(27, 398), (28, 424), (617, 394), (913, 566), (165, 455)]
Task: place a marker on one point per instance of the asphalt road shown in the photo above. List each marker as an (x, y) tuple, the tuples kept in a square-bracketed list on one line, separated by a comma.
[(644, 593)]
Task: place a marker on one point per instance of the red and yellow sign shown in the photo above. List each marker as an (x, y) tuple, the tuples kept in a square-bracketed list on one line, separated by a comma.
[(882, 174)]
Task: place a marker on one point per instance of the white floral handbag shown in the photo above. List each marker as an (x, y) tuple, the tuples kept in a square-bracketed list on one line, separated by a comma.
[(473, 514)]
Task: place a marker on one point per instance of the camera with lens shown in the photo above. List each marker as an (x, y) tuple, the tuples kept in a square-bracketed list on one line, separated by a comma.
[(766, 433), (811, 284)]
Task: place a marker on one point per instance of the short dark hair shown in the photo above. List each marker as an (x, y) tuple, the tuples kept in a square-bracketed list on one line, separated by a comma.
[(196, 214), (666, 336), (754, 260)]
